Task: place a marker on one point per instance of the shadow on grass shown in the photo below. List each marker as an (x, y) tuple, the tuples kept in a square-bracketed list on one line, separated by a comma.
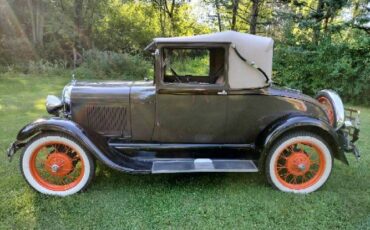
[(106, 176)]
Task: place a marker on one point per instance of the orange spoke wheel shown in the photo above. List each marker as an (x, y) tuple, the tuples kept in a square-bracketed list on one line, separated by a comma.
[(56, 166), (328, 109), (300, 165), (299, 162)]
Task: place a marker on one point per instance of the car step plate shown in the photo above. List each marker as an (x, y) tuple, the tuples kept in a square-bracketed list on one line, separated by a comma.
[(203, 165)]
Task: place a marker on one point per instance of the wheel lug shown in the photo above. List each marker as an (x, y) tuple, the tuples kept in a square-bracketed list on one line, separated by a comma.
[(301, 167), (54, 168)]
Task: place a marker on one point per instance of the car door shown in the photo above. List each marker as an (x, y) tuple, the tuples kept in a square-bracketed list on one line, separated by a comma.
[(191, 108)]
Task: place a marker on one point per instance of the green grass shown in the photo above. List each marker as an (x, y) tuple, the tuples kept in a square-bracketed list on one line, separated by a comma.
[(186, 65), (117, 200)]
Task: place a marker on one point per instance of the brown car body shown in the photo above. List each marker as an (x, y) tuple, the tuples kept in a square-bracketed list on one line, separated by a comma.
[(165, 126)]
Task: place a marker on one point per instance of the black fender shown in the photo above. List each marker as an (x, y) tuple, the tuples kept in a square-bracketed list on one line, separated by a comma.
[(305, 123), (92, 141)]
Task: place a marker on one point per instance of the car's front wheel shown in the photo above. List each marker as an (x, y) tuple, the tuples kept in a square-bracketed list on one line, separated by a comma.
[(56, 164), (299, 162)]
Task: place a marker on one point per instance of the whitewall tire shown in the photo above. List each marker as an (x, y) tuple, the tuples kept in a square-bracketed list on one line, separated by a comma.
[(55, 164), (300, 162)]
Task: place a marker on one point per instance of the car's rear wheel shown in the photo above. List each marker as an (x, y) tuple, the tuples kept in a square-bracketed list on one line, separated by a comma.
[(56, 164), (299, 162)]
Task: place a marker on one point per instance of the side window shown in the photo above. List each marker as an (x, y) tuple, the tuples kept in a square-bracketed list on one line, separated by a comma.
[(194, 66)]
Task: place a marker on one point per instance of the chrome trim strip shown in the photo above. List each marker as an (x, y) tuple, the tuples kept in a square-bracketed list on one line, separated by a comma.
[(159, 146)]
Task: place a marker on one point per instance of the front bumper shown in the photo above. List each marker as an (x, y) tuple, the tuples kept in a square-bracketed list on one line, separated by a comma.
[(13, 148), (350, 131)]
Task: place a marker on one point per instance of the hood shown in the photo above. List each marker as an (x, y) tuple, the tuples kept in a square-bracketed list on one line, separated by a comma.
[(103, 107), (104, 90), (110, 83), (291, 93)]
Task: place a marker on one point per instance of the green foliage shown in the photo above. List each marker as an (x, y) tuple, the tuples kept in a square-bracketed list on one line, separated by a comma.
[(40, 66), (193, 62), (130, 27), (15, 50), (195, 66), (344, 67), (127, 27), (112, 65)]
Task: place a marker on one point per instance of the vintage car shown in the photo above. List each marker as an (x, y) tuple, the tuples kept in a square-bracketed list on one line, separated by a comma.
[(212, 107)]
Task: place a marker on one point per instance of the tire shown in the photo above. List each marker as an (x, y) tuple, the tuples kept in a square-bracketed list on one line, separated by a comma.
[(300, 162), (55, 164)]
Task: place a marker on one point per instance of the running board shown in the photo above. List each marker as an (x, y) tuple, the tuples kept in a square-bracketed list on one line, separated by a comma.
[(203, 165)]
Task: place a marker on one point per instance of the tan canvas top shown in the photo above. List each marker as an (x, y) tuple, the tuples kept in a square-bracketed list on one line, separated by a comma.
[(257, 50)]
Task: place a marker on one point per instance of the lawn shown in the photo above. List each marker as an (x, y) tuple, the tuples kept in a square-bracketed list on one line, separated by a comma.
[(116, 200)]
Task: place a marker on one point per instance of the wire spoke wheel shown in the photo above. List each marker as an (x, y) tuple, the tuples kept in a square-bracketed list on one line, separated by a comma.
[(300, 162), (299, 165), (56, 166)]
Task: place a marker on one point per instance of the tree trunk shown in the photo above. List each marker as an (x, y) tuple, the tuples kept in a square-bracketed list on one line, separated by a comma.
[(356, 7), (318, 20), (326, 22), (78, 17), (254, 16), (234, 14), (40, 23), (217, 4), (166, 10), (36, 10), (162, 19), (32, 16), (170, 12)]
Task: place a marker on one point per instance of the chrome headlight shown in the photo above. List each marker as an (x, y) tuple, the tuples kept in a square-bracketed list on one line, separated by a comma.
[(53, 104), (334, 107), (66, 95)]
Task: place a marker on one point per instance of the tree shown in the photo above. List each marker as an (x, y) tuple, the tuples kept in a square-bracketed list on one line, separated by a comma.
[(254, 16), (361, 16), (78, 21), (218, 14), (227, 13), (36, 12), (167, 9), (235, 7)]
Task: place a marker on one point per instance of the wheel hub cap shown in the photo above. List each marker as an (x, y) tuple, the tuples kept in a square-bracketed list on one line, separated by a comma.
[(54, 168), (298, 163), (59, 164)]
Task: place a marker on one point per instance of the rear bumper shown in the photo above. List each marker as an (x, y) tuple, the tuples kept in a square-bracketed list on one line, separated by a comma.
[(350, 131)]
